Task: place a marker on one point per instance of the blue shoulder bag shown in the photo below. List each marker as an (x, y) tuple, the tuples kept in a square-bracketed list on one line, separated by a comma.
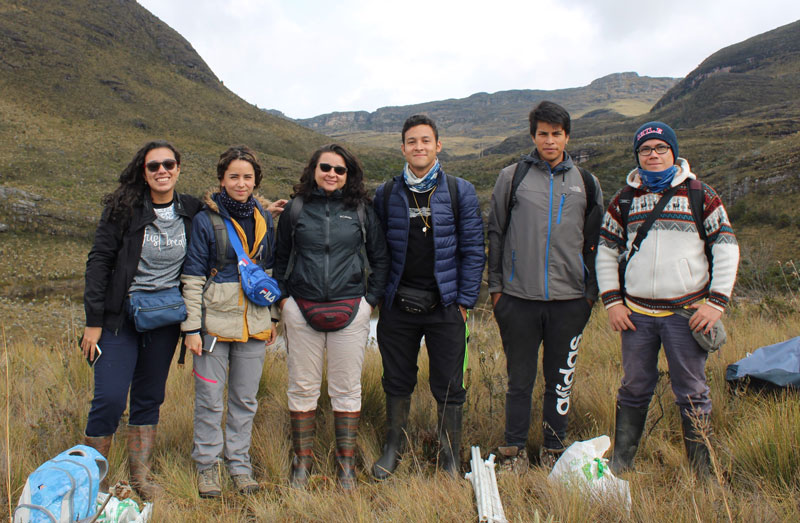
[(259, 287)]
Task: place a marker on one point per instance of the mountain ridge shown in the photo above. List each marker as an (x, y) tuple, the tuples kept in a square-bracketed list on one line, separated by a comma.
[(499, 113)]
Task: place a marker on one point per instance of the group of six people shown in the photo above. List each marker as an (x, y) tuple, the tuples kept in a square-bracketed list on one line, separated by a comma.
[(417, 252)]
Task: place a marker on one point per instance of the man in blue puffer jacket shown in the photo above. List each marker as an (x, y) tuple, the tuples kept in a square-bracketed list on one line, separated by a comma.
[(434, 232)]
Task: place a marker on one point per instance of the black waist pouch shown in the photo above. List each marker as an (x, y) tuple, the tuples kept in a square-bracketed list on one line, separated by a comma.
[(416, 301)]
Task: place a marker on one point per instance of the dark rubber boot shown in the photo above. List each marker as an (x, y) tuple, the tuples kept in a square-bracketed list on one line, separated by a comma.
[(141, 440), (101, 444), (346, 429), (450, 438), (303, 444), (696, 449), (397, 408), (627, 434)]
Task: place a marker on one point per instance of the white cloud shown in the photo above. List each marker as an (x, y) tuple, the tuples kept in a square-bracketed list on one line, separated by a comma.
[(310, 57)]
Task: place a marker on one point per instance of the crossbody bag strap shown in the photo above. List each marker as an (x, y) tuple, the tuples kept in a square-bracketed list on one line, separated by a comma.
[(644, 228)]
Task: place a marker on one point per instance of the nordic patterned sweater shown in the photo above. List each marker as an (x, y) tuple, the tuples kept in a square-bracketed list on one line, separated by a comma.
[(670, 270)]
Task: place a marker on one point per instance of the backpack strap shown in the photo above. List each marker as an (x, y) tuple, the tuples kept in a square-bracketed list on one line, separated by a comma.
[(697, 204), (519, 175), (220, 239), (624, 202), (590, 189), (452, 187)]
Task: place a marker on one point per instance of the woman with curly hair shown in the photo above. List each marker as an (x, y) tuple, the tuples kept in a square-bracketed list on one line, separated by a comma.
[(327, 237), (139, 248), (235, 331)]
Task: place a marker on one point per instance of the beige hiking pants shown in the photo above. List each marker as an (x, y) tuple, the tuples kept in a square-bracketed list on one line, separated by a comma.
[(306, 354)]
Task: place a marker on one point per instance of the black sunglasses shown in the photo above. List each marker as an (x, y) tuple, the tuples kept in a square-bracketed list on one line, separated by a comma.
[(338, 169), (154, 166)]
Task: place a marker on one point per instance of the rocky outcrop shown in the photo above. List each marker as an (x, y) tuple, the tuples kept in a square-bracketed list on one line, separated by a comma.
[(22, 210)]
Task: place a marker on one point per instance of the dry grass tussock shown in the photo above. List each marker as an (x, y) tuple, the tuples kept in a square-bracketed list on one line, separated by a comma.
[(756, 438)]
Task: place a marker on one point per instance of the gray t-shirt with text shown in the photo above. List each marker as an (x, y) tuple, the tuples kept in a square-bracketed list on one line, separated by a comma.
[(163, 251)]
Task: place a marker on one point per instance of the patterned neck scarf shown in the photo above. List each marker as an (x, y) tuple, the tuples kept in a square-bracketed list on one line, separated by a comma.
[(237, 209), (657, 181), (424, 184)]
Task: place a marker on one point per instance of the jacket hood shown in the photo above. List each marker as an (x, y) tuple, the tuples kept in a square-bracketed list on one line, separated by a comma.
[(684, 173), (565, 165), (211, 197)]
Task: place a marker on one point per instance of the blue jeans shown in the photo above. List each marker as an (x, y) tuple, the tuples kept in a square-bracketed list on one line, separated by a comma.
[(685, 359), (136, 361)]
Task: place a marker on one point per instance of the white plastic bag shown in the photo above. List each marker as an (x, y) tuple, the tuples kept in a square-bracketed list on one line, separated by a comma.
[(583, 465), (122, 510)]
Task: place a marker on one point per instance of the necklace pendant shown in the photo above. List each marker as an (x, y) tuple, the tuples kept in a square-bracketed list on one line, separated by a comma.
[(425, 230)]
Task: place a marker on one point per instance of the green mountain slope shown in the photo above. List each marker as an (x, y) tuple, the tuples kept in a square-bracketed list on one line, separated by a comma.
[(84, 84), (758, 72)]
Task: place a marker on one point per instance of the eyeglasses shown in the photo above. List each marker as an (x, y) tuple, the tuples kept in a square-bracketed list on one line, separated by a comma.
[(338, 169), (646, 150), (154, 166)]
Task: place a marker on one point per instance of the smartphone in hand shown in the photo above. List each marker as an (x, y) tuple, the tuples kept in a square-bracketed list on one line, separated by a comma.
[(97, 353)]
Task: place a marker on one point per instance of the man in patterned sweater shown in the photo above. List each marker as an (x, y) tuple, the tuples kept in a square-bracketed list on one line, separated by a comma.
[(671, 271)]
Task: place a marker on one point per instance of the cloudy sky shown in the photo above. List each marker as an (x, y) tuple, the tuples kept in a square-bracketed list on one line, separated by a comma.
[(309, 57)]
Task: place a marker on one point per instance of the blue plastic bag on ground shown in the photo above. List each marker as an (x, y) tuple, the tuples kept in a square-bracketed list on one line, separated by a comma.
[(772, 366)]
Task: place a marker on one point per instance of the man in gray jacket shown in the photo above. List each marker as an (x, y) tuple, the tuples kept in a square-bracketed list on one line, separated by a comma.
[(543, 229)]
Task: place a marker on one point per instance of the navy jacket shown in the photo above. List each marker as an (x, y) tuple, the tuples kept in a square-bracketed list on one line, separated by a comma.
[(459, 253)]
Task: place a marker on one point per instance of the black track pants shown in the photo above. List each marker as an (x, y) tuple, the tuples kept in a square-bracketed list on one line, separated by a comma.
[(524, 325)]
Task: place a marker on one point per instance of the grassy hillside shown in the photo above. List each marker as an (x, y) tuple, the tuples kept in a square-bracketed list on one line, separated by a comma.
[(757, 449), (84, 84)]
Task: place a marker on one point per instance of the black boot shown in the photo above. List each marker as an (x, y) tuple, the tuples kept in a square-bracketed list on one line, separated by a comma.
[(627, 433), (397, 408), (450, 438), (693, 429)]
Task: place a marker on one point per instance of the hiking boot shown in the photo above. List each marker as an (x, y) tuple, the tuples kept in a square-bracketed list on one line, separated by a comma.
[(101, 444), (303, 445), (346, 428), (549, 457), (245, 483), (628, 430), (513, 460), (208, 482), (450, 417), (141, 440), (397, 408), (694, 427)]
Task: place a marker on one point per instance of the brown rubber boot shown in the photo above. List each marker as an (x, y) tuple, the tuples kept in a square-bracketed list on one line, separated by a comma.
[(346, 428), (303, 424), (141, 440), (101, 444)]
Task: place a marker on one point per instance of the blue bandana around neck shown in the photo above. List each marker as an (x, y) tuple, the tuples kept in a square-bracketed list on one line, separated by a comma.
[(424, 184), (657, 181)]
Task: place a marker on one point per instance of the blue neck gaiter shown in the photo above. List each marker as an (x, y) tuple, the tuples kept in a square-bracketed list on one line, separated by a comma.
[(657, 181), (424, 184)]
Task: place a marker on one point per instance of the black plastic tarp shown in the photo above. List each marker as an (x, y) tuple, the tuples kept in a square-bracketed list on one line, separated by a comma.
[(776, 365)]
